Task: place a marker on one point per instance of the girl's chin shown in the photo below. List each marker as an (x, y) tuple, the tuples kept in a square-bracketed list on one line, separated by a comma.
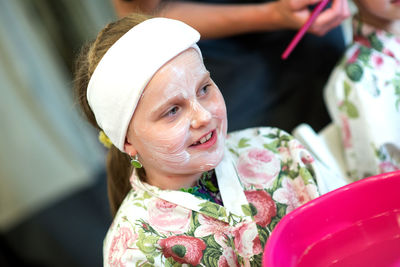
[(208, 164)]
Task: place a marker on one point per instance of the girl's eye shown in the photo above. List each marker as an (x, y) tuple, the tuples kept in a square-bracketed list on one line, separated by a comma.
[(172, 111), (204, 90)]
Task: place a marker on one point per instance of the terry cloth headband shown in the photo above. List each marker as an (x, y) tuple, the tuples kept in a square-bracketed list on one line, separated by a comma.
[(127, 67)]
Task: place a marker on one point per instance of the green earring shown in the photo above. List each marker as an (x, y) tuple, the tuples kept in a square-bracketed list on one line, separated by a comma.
[(135, 162)]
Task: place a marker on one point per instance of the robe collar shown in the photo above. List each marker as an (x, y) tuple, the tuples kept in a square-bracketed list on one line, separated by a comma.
[(235, 207)]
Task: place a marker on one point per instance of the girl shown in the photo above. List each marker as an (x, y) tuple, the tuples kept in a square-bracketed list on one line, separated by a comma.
[(181, 190), (363, 93)]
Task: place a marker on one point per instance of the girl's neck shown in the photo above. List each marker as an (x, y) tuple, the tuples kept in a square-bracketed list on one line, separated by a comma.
[(392, 26), (172, 182)]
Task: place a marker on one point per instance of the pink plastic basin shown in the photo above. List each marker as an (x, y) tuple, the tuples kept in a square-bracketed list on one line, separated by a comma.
[(355, 225)]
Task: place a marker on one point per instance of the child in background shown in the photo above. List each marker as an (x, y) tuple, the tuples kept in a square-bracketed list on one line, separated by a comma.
[(363, 92)]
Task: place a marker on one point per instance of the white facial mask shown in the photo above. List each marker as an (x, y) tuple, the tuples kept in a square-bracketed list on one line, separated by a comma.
[(165, 141), (165, 144)]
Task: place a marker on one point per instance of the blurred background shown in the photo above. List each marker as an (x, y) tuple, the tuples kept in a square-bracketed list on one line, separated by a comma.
[(53, 199)]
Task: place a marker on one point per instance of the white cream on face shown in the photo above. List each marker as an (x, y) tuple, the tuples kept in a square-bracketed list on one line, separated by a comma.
[(174, 113)]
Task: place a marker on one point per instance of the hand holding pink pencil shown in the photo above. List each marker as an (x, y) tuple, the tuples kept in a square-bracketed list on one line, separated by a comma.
[(296, 39)]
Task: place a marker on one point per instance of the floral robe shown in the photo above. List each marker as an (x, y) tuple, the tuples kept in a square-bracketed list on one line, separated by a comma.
[(264, 174), (363, 99)]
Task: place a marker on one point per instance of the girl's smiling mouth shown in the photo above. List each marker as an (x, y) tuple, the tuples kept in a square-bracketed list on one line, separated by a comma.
[(206, 141)]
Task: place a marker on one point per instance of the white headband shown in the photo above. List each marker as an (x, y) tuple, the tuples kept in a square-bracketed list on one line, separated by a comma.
[(126, 68)]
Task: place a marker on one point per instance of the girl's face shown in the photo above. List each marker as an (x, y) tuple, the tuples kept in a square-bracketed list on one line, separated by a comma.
[(379, 11), (179, 125)]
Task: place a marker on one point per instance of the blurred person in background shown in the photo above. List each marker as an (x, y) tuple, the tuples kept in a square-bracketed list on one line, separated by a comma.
[(363, 92)]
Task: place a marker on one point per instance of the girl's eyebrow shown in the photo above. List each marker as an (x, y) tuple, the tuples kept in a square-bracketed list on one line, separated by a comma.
[(205, 76), (155, 110)]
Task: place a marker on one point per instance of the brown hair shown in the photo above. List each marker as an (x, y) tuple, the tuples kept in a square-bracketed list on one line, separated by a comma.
[(118, 163)]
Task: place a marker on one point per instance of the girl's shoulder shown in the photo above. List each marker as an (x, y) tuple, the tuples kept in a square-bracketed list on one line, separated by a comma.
[(255, 132), (269, 152), (267, 137)]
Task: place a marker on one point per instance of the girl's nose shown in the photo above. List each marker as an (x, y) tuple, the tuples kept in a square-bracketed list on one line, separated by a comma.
[(201, 116)]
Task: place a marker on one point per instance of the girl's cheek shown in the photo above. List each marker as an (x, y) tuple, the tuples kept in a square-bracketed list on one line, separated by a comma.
[(218, 109), (165, 138), (174, 138)]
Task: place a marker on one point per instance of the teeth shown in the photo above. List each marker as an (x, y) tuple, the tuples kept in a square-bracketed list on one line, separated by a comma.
[(205, 138)]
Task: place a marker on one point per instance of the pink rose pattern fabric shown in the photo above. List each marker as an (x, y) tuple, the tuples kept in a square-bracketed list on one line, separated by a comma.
[(363, 99), (167, 217), (276, 173), (246, 240), (210, 226), (123, 241), (228, 258), (258, 167), (264, 205), (183, 249)]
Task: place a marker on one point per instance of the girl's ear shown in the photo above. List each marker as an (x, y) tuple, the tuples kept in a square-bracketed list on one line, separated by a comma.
[(129, 148)]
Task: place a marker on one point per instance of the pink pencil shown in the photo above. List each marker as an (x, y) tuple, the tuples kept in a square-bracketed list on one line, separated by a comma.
[(321, 5)]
